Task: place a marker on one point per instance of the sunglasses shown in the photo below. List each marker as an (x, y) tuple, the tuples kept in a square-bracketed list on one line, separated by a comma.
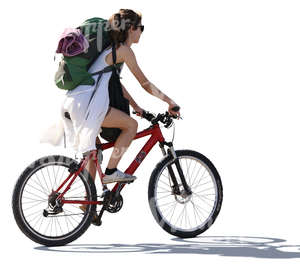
[(141, 26)]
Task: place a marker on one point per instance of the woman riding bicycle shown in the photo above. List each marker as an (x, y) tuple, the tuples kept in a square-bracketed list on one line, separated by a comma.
[(128, 31)]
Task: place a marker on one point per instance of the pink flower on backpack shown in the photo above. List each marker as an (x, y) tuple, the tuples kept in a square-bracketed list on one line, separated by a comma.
[(72, 42)]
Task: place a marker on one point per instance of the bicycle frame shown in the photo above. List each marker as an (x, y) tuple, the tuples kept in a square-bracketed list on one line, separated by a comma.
[(156, 136)]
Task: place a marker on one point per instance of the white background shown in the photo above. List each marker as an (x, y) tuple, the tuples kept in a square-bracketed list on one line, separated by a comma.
[(232, 66)]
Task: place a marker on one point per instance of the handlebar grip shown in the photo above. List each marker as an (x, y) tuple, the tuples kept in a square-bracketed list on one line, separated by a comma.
[(148, 116), (176, 108)]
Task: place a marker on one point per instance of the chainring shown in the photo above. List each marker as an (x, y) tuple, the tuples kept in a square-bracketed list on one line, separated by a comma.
[(116, 205)]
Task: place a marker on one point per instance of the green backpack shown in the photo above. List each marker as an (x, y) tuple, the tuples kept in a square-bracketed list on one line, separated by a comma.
[(73, 71)]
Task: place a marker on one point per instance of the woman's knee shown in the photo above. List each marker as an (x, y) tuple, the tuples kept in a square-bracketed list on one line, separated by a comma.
[(132, 125), (118, 119)]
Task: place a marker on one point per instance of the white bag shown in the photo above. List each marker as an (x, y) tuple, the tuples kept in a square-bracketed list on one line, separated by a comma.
[(53, 134)]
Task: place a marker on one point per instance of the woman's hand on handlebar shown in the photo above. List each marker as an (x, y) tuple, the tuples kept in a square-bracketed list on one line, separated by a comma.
[(139, 111), (176, 108)]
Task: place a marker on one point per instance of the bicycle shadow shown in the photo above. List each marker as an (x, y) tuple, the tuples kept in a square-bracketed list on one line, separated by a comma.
[(229, 246)]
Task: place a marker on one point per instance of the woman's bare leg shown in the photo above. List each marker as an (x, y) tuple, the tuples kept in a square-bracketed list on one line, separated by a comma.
[(118, 119), (90, 166)]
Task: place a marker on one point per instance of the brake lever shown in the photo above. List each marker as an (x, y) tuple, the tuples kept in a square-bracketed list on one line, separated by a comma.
[(134, 112), (175, 116)]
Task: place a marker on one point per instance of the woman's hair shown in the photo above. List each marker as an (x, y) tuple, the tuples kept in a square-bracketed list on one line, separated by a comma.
[(120, 23)]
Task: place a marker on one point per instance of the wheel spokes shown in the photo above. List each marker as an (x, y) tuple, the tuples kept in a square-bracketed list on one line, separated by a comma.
[(34, 200), (185, 212)]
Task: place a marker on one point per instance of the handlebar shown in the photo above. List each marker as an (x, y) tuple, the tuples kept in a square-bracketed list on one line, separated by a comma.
[(166, 118)]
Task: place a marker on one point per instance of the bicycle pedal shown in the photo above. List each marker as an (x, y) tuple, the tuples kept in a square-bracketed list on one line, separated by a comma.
[(96, 220), (128, 182), (104, 193)]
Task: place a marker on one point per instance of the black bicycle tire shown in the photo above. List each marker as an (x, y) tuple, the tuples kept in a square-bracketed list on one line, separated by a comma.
[(88, 181), (151, 188)]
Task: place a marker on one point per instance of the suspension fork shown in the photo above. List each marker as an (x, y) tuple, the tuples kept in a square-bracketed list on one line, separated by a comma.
[(172, 153)]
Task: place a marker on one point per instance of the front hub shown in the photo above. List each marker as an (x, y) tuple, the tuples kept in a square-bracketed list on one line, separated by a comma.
[(182, 196)]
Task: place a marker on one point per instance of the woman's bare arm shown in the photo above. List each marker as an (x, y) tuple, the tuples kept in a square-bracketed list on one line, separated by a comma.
[(130, 60), (128, 96)]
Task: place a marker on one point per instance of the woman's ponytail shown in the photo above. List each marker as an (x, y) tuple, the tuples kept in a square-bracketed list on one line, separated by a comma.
[(120, 23)]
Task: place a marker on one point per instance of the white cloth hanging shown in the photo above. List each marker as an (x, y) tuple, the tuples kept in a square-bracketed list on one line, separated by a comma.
[(81, 133)]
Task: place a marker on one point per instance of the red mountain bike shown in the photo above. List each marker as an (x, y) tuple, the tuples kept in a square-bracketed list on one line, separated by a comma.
[(185, 191)]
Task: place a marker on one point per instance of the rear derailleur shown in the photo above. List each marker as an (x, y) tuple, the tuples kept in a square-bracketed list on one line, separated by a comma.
[(54, 205)]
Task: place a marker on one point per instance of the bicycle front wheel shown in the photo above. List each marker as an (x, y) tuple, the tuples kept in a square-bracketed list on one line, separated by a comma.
[(34, 189), (178, 212)]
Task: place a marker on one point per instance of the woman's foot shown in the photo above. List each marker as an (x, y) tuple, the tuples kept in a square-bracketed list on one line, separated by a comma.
[(83, 208), (118, 176)]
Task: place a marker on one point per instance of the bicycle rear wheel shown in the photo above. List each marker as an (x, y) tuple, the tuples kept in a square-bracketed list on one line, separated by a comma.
[(31, 205), (177, 212)]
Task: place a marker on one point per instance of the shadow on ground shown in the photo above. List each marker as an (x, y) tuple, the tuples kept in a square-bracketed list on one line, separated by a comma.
[(230, 246)]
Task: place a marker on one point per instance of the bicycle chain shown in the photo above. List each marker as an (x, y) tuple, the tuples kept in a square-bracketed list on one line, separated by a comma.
[(74, 214)]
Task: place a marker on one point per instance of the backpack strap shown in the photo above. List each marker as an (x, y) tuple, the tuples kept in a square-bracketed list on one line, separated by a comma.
[(109, 68), (99, 73), (116, 66), (114, 53)]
